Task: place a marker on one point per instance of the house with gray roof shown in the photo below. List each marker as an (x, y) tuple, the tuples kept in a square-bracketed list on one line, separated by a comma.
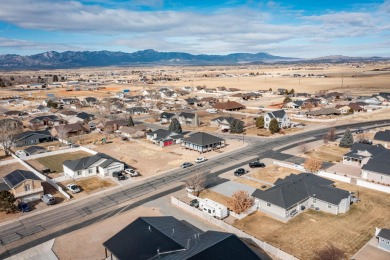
[(297, 104), (383, 235), (296, 193), (24, 185), (203, 142), (99, 164), (33, 138), (360, 153), (166, 117), (383, 137), (137, 110), (188, 119), (377, 168), (280, 115), (32, 150), (164, 137), (222, 122)]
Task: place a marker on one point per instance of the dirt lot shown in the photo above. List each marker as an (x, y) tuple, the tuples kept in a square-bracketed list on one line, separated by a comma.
[(311, 230), (5, 169), (89, 185), (215, 196), (258, 132), (272, 173), (252, 183), (55, 162), (328, 153)]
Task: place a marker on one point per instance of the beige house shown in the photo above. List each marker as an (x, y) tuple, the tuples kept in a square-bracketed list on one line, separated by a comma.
[(137, 131), (24, 185)]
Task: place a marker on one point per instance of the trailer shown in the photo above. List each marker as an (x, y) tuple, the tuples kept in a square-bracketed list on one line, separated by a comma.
[(213, 208)]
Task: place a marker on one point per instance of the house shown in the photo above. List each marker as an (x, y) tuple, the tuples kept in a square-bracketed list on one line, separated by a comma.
[(137, 110), (41, 109), (360, 153), (203, 142), (32, 150), (280, 115), (187, 88), (81, 117), (67, 113), (14, 113), (166, 117), (221, 89), (192, 101), (383, 137), (383, 235), (344, 109), (69, 130), (296, 193), (24, 185), (281, 91), (70, 101), (32, 138), (222, 122), (137, 131), (99, 164), (302, 95), (188, 119), (229, 106), (324, 112), (377, 168), (297, 104), (113, 125), (120, 95), (168, 95), (45, 121), (167, 238), (164, 137), (90, 101)]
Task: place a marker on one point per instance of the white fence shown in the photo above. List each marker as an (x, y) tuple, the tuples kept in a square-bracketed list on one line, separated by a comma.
[(290, 166), (62, 151), (334, 176), (264, 245), (5, 162), (373, 186)]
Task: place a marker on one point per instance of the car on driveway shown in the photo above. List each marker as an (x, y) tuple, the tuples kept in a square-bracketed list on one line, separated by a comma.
[(239, 172), (256, 164), (73, 188), (132, 172), (23, 206), (200, 159), (186, 165), (119, 175), (48, 199)]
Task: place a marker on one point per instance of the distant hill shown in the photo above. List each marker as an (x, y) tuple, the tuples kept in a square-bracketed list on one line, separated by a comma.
[(76, 59)]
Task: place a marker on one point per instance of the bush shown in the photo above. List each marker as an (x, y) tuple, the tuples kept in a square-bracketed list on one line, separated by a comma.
[(274, 126), (175, 126)]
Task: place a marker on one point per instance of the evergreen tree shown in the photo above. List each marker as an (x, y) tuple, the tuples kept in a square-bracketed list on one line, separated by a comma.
[(260, 122), (274, 126), (7, 202), (351, 111), (236, 126), (130, 121), (2, 84), (55, 78), (175, 126), (286, 100), (270, 89), (347, 139)]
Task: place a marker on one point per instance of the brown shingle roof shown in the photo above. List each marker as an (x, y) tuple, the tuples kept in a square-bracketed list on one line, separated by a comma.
[(228, 105)]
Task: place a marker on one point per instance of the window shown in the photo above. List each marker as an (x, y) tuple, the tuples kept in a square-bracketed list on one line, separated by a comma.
[(27, 187), (269, 204), (267, 119), (314, 200), (79, 173), (90, 170)]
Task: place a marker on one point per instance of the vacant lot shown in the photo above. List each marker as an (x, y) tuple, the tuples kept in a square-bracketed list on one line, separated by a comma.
[(258, 132), (89, 185), (55, 162), (272, 173), (215, 196), (252, 183), (328, 153), (311, 230)]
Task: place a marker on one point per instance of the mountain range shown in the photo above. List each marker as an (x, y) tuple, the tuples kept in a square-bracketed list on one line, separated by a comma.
[(76, 59)]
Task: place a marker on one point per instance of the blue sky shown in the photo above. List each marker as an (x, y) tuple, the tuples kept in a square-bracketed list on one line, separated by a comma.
[(287, 28)]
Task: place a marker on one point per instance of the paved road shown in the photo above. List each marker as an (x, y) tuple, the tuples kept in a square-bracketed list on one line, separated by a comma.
[(81, 211)]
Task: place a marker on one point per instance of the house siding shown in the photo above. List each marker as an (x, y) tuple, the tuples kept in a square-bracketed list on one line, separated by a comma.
[(376, 177), (384, 243), (34, 193)]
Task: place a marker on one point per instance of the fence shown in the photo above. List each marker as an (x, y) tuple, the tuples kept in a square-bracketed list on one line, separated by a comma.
[(290, 166), (62, 151), (5, 162), (264, 245), (373, 186), (334, 176)]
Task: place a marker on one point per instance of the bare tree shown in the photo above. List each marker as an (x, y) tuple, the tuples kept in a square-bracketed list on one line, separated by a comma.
[(62, 133), (330, 252), (240, 201), (9, 131), (332, 134), (196, 183), (155, 115), (312, 165), (303, 148), (326, 138)]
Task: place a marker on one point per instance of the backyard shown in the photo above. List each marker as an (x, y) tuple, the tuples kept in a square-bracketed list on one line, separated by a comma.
[(55, 162), (272, 173), (328, 153), (89, 185), (311, 230), (215, 196)]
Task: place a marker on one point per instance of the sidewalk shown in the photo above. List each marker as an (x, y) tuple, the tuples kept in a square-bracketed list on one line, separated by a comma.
[(42, 251)]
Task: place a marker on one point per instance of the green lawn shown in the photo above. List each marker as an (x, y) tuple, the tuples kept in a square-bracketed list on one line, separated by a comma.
[(55, 162)]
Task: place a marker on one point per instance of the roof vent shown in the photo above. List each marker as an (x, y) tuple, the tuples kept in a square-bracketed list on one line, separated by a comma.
[(150, 229), (173, 231), (314, 195), (158, 251)]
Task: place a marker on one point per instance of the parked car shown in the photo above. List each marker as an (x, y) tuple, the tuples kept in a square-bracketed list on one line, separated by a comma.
[(48, 199), (194, 203), (212, 110), (119, 175), (239, 172), (132, 172), (256, 164), (200, 159), (359, 131), (73, 188), (23, 206), (225, 130), (186, 164)]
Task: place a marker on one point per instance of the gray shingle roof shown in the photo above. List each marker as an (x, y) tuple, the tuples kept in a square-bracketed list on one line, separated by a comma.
[(33, 149), (33, 135), (166, 115), (379, 163), (202, 139), (277, 114), (187, 115), (164, 134), (384, 233), (382, 136), (86, 162), (18, 176)]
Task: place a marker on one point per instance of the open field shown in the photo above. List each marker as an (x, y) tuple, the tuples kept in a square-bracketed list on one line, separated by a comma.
[(311, 230), (215, 196), (328, 153), (271, 173), (55, 162)]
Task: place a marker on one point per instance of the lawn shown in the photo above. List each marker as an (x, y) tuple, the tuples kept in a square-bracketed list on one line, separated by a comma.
[(215, 196), (258, 132), (311, 230), (55, 162), (328, 153), (272, 173)]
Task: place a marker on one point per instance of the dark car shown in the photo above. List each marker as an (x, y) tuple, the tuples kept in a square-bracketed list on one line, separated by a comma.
[(194, 203), (359, 131), (119, 175), (256, 164), (239, 172), (186, 165), (225, 130), (23, 206)]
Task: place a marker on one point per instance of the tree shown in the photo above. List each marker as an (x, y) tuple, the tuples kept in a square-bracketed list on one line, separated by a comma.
[(130, 121), (55, 78), (351, 111), (287, 100), (330, 252), (285, 92), (260, 122), (196, 183), (52, 104), (270, 89), (9, 131), (62, 133), (7, 202), (347, 139), (236, 126), (326, 138), (312, 165), (240, 201), (303, 148), (175, 126), (274, 126), (155, 115), (2, 84), (332, 134), (292, 92)]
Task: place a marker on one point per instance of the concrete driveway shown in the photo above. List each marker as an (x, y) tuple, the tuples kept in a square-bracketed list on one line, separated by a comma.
[(343, 169), (228, 188)]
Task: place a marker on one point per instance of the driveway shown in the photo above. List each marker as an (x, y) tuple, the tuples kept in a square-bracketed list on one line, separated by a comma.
[(228, 188), (371, 251), (343, 169)]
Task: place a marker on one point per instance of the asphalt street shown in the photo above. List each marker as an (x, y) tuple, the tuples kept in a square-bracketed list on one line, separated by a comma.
[(107, 203)]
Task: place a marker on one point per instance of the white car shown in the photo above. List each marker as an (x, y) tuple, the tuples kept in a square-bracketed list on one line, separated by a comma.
[(131, 172), (200, 159), (211, 110), (73, 187)]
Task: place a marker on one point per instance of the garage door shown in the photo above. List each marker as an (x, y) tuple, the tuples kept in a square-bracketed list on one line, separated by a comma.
[(31, 197), (114, 169)]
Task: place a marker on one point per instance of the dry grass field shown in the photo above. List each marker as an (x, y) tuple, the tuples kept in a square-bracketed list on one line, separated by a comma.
[(91, 185), (311, 230), (328, 153), (272, 173), (55, 162), (215, 196), (252, 183)]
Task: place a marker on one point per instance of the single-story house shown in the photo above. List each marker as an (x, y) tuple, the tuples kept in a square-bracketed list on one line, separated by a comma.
[(164, 137), (81, 117), (382, 137), (90, 101), (32, 150), (203, 142), (166, 117), (136, 131), (188, 119), (192, 101), (324, 112), (297, 104), (45, 121), (137, 110), (383, 235), (229, 106), (377, 168), (33, 137), (67, 113), (98, 164), (69, 130), (280, 115), (222, 122), (24, 185), (166, 237), (295, 193)]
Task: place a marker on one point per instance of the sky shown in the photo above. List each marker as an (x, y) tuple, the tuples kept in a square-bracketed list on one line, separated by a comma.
[(299, 28)]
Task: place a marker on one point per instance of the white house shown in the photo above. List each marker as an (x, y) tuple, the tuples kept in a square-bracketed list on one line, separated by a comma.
[(280, 115)]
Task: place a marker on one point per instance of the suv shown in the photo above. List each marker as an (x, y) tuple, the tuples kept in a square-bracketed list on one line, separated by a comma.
[(48, 199), (73, 187), (239, 172), (23, 206), (119, 175), (132, 172), (256, 164), (200, 159), (186, 164)]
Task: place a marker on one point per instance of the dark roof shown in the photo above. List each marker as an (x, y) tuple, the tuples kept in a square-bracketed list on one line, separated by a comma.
[(86, 162), (277, 114), (33, 149), (202, 139), (40, 118), (119, 122), (384, 233), (169, 238), (191, 100), (295, 188), (84, 115), (324, 111), (382, 136), (71, 128), (187, 115), (68, 112), (166, 115), (229, 119), (379, 163), (18, 176), (33, 135), (136, 109), (372, 150), (228, 105), (163, 134), (90, 99), (4, 186)]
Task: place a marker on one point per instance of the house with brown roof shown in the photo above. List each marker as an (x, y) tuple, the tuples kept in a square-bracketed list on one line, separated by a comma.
[(69, 130), (113, 125), (229, 106)]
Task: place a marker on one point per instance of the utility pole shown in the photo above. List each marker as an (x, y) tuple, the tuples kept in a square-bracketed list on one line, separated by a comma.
[(342, 80)]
